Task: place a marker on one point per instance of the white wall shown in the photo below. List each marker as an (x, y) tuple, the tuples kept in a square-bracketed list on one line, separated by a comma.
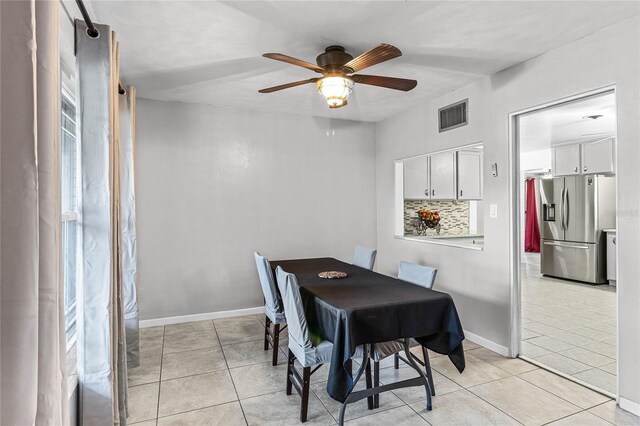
[(480, 283), (216, 184)]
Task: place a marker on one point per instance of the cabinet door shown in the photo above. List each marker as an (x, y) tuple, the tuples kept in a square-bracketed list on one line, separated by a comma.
[(566, 160), (469, 175), (443, 176), (597, 157), (416, 178)]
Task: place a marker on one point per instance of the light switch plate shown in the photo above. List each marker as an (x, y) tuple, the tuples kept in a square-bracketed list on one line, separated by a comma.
[(493, 210)]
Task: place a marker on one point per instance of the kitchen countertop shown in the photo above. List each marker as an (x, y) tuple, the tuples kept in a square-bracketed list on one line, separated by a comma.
[(470, 241), (609, 230)]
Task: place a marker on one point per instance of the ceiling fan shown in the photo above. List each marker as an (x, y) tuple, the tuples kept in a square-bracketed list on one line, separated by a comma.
[(338, 67)]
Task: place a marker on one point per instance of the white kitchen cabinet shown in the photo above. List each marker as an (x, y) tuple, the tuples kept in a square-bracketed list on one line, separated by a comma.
[(469, 175), (611, 256), (566, 160), (443, 176), (598, 157), (416, 178)]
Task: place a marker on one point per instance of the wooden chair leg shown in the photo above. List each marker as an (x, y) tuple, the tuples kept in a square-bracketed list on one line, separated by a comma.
[(306, 376), (267, 324), (368, 379), (290, 359), (396, 361), (276, 347), (427, 368), (376, 383)]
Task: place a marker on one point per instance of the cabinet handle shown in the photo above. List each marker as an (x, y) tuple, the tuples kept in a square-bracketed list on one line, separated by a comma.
[(575, 169), (426, 192), (614, 241), (433, 192), (461, 192), (584, 168)]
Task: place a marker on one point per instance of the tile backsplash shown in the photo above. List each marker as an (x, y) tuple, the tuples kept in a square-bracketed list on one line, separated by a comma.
[(454, 216)]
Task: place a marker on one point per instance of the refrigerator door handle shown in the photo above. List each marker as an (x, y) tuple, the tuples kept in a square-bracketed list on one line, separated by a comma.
[(582, 247), (562, 209), (566, 209)]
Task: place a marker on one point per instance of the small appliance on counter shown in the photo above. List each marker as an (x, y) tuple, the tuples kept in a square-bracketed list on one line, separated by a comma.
[(575, 211)]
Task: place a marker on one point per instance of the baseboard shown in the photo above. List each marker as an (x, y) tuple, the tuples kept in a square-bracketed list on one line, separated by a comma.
[(492, 346), (630, 406), (200, 317)]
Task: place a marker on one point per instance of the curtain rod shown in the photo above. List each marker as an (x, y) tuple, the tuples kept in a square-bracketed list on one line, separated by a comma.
[(93, 32), (91, 29)]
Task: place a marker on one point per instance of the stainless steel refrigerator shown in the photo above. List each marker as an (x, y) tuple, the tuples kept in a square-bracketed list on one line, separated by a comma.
[(574, 211)]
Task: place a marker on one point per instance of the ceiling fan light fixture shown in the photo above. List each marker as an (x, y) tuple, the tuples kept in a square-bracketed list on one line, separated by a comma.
[(335, 89)]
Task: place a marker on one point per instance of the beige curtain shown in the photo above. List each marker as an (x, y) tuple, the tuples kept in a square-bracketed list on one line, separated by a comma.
[(32, 365), (128, 220), (101, 331)]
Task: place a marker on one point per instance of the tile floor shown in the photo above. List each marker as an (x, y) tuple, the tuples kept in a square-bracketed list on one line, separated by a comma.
[(568, 326), (216, 373)]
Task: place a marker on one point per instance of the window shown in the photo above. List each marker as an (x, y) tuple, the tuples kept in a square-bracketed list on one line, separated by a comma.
[(70, 180)]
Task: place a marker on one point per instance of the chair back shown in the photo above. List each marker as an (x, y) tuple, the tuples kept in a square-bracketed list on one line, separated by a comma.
[(293, 308), (417, 274), (364, 257), (268, 284)]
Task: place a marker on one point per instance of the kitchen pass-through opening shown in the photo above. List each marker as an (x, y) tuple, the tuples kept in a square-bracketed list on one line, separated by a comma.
[(567, 247)]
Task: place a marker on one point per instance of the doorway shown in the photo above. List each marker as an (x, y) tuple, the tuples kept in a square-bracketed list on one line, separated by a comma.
[(565, 316)]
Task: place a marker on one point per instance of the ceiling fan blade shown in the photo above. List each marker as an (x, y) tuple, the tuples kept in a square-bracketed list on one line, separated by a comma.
[(378, 54), (288, 85), (294, 61), (388, 82)]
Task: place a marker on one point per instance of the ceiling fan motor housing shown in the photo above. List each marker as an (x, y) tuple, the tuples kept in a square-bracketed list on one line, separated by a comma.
[(333, 59)]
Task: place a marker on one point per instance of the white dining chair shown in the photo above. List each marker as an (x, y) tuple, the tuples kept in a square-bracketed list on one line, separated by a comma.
[(273, 308), (415, 274), (301, 347), (423, 276), (364, 257)]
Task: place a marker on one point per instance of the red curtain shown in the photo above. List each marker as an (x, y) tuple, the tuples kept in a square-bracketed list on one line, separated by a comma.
[(531, 230)]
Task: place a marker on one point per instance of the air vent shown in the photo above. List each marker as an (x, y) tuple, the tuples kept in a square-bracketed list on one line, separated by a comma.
[(453, 116)]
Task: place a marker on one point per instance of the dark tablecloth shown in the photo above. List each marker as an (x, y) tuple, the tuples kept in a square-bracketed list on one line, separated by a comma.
[(368, 307)]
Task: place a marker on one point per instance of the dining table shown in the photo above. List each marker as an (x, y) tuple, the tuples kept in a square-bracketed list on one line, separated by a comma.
[(366, 308)]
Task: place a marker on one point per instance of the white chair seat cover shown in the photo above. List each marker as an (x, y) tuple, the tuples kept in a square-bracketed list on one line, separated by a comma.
[(383, 350), (364, 257), (275, 317), (308, 357), (300, 344)]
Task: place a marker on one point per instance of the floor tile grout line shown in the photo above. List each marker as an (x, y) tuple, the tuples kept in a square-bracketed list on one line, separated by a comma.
[(569, 415), (229, 372), (369, 413), (194, 375), (198, 409), (160, 376), (564, 399), (321, 402), (496, 407), (595, 414)]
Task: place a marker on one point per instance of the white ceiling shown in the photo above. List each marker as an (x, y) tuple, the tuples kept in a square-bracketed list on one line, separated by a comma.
[(209, 52), (567, 122)]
